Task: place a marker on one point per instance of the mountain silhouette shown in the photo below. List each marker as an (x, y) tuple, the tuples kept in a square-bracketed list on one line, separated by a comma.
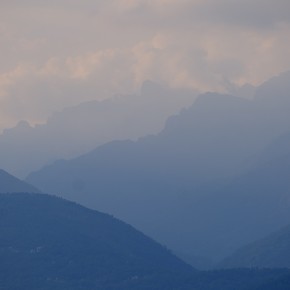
[(50, 243), (81, 128), (195, 185)]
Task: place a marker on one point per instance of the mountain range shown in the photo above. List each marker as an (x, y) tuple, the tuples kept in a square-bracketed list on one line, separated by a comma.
[(81, 128), (182, 185)]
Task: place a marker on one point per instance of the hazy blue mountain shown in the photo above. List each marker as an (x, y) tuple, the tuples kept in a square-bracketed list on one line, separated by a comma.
[(195, 186), (9, 183), (160, 173), (272, 251), (259, 200), (266, 190), (81, 128), (49, 243)]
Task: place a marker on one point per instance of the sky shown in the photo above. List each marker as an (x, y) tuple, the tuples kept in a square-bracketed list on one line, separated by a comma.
[(59, 53)]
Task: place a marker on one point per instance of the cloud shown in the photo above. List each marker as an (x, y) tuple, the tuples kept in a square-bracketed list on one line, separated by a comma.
[(59, 53)]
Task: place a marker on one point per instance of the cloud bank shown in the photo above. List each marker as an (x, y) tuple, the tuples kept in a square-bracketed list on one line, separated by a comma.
[(59, 53)]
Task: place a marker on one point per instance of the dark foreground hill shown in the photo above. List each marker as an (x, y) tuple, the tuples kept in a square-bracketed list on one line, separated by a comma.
[(48, 243), (272, 251), (9, 183)]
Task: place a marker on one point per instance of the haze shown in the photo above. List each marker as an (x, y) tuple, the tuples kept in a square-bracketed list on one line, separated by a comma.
[(130, 127), (56, 54)]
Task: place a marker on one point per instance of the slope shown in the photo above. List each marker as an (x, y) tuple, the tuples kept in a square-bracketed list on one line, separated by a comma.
[(9, 183), (272, 251), (49, 243)]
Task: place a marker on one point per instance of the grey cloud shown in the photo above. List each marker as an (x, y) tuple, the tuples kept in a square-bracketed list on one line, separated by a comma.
[(257, 13), (252, 14), (105, 47)]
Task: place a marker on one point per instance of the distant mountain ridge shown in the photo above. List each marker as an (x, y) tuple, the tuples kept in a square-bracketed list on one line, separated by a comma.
[(81, 128), (181, 185)]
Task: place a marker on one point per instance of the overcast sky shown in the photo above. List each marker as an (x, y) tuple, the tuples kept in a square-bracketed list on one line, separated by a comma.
[(60, 52)]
